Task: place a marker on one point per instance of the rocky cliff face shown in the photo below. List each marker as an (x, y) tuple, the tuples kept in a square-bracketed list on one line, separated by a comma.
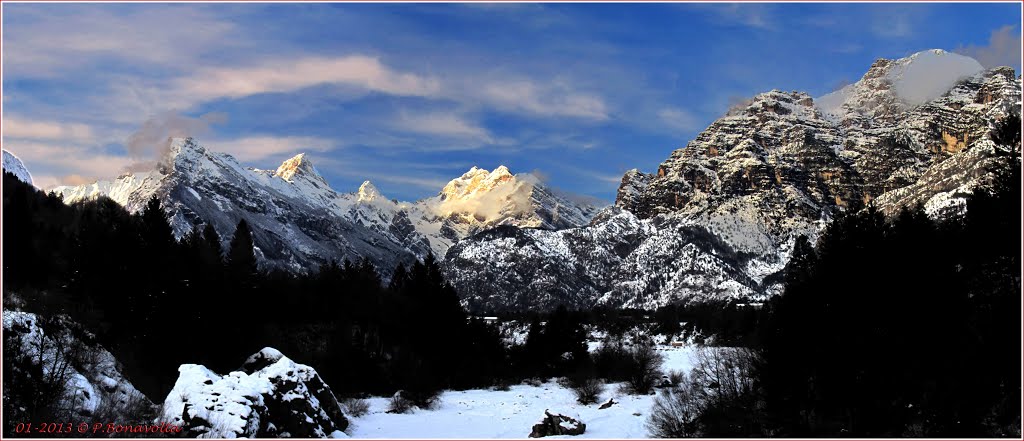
[(718, 217)]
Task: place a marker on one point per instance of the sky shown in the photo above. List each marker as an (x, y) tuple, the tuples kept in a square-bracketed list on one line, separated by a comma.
[(410, 96)]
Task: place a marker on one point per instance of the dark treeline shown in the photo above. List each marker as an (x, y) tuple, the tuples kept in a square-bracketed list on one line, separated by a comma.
[(904, 326), (157, 302)]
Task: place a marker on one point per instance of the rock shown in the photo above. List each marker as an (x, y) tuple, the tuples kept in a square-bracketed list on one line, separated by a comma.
[(608, 404), (555, 424), (270, 396)]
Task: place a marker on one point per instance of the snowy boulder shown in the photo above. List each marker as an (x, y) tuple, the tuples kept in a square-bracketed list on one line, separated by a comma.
[(555, 424), (270, 396)]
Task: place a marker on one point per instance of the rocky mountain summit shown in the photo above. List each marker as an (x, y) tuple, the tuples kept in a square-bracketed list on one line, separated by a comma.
[(718, 218)]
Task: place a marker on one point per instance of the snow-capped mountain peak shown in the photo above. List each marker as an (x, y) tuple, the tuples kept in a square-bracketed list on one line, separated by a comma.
[(893, 86), (14, 165), (368, 192), (295, 165), (475, 182)]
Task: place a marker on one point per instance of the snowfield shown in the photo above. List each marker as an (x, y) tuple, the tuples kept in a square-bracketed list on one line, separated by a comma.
[(487, 413)]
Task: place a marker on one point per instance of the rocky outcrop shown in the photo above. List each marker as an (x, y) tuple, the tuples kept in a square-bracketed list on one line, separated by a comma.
[(555, 424), (269, 396)]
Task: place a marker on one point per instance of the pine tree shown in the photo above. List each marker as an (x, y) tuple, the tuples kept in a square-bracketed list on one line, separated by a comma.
[(241, 259), (156, 230), (212, 254), (398, 279)]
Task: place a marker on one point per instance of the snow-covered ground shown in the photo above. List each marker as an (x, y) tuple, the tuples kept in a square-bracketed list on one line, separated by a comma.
[(484, 413)]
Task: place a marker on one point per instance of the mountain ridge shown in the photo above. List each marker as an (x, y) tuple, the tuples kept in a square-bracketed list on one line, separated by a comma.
[(718, 218), (300, 222)]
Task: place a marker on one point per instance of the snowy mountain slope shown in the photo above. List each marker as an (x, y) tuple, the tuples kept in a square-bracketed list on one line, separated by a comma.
[(12, 164), (299, 222), (718, 218), (296, 219)]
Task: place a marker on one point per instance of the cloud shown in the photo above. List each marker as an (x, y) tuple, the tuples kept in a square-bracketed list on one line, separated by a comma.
[(151, 141), (894, 23), (47, 40), (1003, 49), (20, 128), (283, 75), (258, 148), (58, 163), (678, 119), (757, 16), (432, 184), (443, 124), (534, 98)]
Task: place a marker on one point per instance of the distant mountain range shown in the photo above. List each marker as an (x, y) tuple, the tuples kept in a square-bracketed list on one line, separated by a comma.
[(299, 222), (716, 220)]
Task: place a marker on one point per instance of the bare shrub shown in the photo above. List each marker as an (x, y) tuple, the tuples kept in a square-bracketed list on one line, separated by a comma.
[(399, 403), (588, 390), (676, 377), (675, 413), (644, 365), (724, 374), (502, 385), (718, 400), (355, 407)]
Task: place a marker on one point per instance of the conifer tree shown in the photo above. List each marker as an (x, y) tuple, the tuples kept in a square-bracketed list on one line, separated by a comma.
[(241, 252)]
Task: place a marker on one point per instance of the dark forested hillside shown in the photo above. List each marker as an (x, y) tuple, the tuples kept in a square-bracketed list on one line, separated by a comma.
[(903, 326), (158, 302)]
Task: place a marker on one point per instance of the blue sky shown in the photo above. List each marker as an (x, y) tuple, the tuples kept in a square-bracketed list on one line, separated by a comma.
[(412, 95)]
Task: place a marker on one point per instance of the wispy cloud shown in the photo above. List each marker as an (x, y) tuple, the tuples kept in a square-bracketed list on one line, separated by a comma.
[(259, 148), (17, 127), (536, 98), (894, 21), (284, 75), (752, 15), (48, 40), (59, 163), (1003, 49), (443, 124), (678, 119)]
